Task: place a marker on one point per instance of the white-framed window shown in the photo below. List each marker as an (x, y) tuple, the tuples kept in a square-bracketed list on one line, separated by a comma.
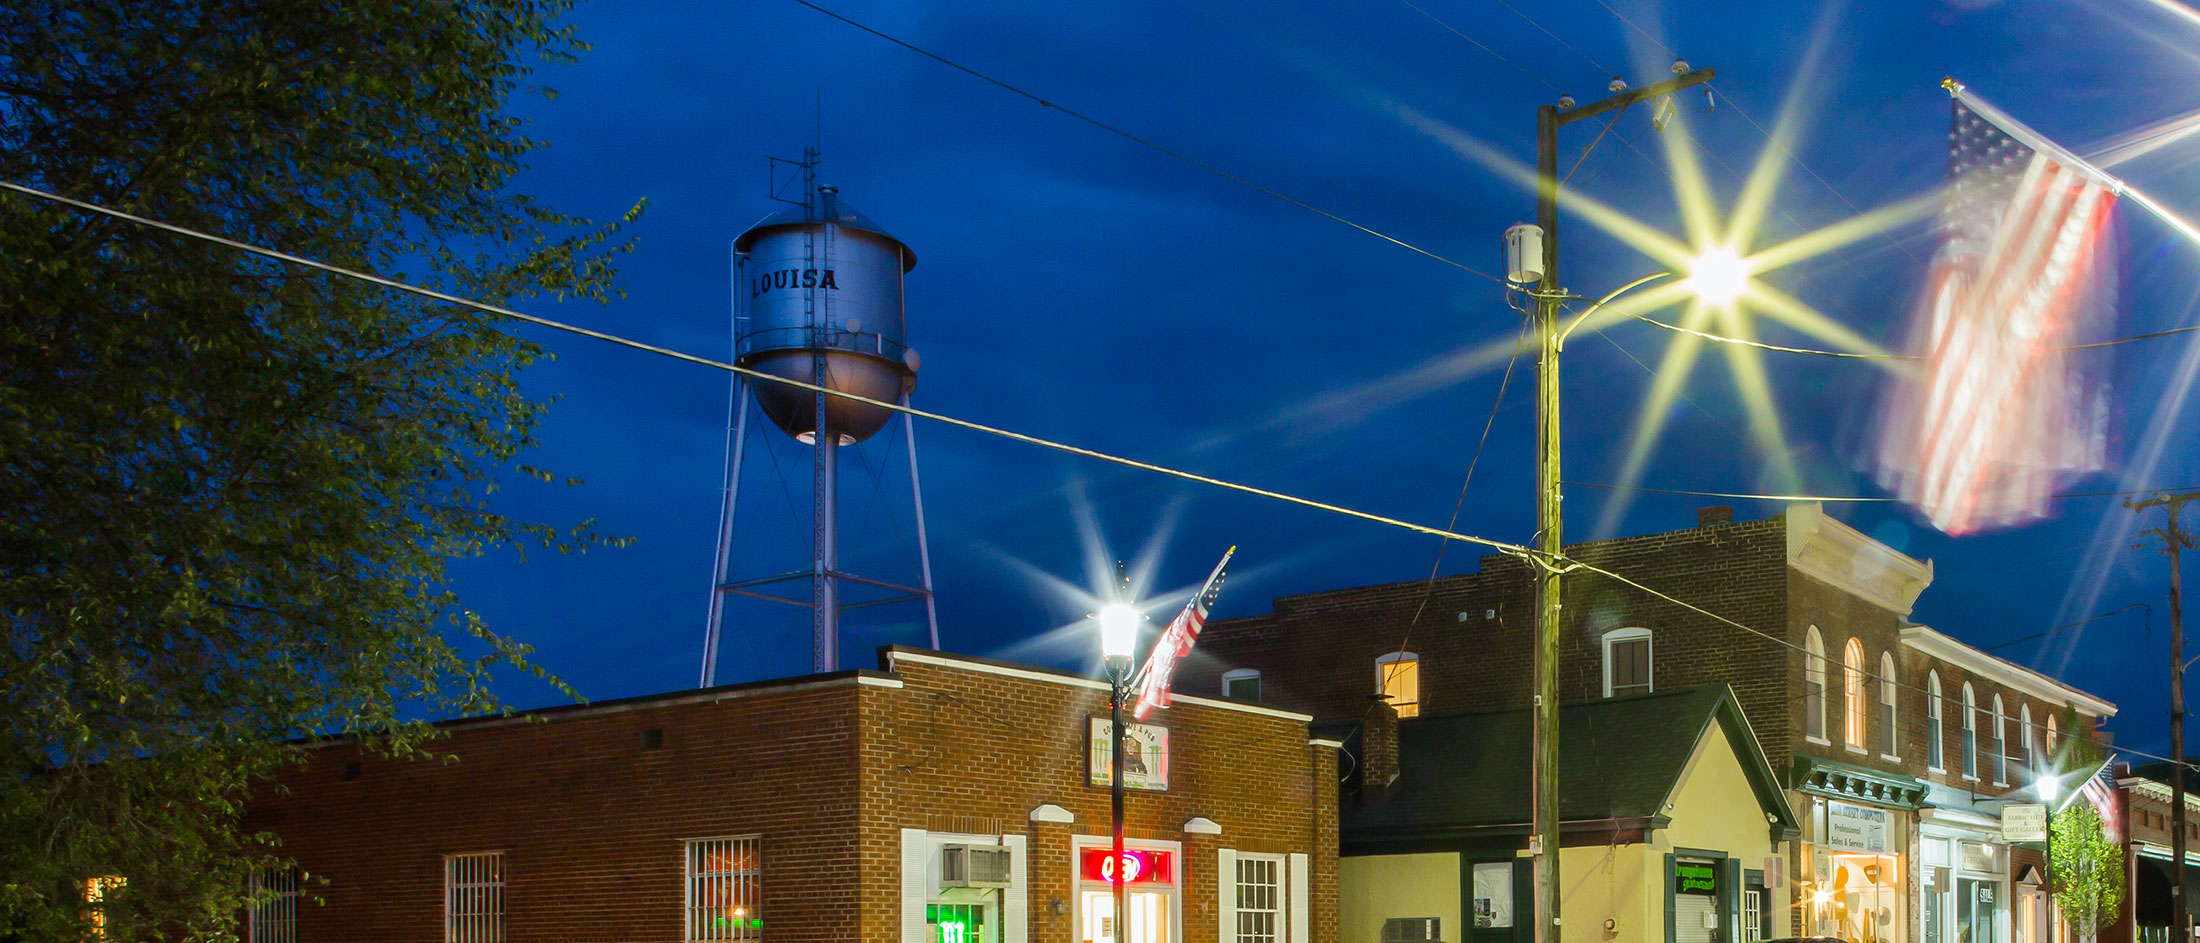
[(97, 891), (1886, 705), (273, 915), (1398, 677), (2026, 756), (1627, 664), (1853, 712), (1970, 732), (1933, 715), (1260, 898), (959, 921), (1241, 684), (1814, 686), (1753, 915), (2051, 731), (725, 889), (473, 898), (2000, 746)]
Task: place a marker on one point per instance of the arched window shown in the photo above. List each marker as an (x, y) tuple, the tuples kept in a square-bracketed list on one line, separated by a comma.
[(1627, 662), (1933, 715), (1853, 712), (1398, 677), (1814, 686), (2000, 754), (1886, 704), (2027, 757), (1970, 732), (2051, 732), (1241, 684)]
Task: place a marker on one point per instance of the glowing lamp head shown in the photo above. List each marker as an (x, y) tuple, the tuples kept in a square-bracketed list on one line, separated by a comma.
[(1719, 276), (2049, 788), (1119, 629)]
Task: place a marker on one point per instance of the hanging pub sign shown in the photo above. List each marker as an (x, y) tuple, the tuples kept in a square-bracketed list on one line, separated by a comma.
[(1696, 877), (1139, 866), (1145, 756), (1856, 827)]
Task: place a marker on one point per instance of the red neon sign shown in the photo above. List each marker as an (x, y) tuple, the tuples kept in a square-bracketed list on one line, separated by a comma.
[(1139, 866)]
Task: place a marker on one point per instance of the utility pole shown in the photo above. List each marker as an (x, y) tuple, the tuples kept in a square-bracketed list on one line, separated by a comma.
[(1543, 772), (2175, 540)]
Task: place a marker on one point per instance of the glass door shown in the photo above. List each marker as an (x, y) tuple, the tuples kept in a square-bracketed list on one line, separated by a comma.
[(1145, 914)]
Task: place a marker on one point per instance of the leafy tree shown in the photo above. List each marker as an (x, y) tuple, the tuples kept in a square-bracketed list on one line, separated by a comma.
[(2088, 868), (231, 487)]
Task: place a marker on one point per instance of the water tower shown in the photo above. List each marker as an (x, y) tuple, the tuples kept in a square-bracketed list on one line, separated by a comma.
[(817, 297)]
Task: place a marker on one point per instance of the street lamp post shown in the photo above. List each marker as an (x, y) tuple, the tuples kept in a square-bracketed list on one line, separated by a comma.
[(1543, 771), (1119, 624)]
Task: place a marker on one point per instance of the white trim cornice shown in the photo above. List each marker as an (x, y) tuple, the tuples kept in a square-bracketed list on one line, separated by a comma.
[(1937, 644), (1033, 674), (1843, 557)]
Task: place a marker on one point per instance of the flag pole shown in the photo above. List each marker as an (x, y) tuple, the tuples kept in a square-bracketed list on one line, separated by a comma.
[(2033, 139)]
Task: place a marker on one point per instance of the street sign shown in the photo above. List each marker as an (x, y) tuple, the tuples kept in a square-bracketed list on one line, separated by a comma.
[(2024, 821)]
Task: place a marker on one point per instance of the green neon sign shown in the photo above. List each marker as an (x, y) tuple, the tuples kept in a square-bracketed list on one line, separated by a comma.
[(1689, 878)]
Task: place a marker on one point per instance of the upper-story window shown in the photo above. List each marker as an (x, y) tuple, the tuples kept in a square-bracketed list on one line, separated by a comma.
[(2051, 732), (2000, 755), (1970, 732), (1242, 684), (1853, 712), (2026, 756), (1886, 704), (1933, 715), (1398, 677), (1627, 662), (1814, 686)]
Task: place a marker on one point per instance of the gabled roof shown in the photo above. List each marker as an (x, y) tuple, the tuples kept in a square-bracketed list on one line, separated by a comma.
[(1620, 760)]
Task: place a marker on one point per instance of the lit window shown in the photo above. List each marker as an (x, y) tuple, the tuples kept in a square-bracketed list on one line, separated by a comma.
[(1626, 662), (956, 921), (97, 892), (273, 915), (1852, 694), (1242, 684), (1886, 704), (2051, 733), (1398, 677), (1260, 916), (723, 891), (473, 898), (1933, 717), (1814, 686), (1970, 732)]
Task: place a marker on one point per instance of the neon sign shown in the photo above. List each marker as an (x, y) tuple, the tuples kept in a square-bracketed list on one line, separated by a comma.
[(1138, 867)]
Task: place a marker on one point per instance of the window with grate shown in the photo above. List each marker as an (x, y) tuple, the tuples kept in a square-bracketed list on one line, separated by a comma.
[(473, 898), (1626, 662), (1398, 677), (1241, 684), (1259, 899), (724, 889), (273, 914), (1753, 915)]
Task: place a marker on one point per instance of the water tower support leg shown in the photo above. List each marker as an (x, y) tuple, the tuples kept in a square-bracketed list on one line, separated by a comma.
[(824, 589), (924, 547), (735, 443)]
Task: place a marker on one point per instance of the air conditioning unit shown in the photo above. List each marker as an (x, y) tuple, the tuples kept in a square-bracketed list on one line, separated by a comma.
[(1412, 930), (974, 866)]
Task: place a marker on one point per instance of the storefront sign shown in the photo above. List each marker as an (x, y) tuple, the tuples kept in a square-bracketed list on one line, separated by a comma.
[(1139, 866), (1695, 877), (2026, 821), (1145, 756), (1856, 827), (1981, 857)]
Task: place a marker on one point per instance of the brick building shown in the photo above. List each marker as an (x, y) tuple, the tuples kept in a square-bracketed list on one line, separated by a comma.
[(2150, 910), (940, 799), (1898, 743)]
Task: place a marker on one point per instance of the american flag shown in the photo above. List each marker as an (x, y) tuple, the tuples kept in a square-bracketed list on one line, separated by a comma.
[(2100, 789), (1176, 641), (1999, 411)]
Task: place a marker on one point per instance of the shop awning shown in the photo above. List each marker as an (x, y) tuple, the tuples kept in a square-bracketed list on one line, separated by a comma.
[(2151, 898)]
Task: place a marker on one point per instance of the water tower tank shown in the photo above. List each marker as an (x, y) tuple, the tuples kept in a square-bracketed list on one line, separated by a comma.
[(823, 288)]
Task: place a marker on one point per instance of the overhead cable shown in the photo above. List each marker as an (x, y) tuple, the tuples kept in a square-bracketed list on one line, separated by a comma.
[(1126, 135), (1746, 496)]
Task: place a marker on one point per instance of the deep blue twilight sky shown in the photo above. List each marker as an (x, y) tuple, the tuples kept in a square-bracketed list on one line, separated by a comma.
[(1075, 285)]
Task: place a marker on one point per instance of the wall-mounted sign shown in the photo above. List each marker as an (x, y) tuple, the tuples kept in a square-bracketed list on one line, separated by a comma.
[(1856, 827), (2024, 821), (1139, 866), (1145, 756), (1982, 857), (1775, 872), (1696, 877)]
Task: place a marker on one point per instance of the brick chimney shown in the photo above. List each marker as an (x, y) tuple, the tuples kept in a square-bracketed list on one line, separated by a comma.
[(1378, 752), (1715, 514)]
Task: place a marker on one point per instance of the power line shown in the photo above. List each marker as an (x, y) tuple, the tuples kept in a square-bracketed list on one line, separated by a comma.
[(1479, 45), (2073, 625), (1557, 39), (1126, 135), (447, 298), (1827, 497)]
